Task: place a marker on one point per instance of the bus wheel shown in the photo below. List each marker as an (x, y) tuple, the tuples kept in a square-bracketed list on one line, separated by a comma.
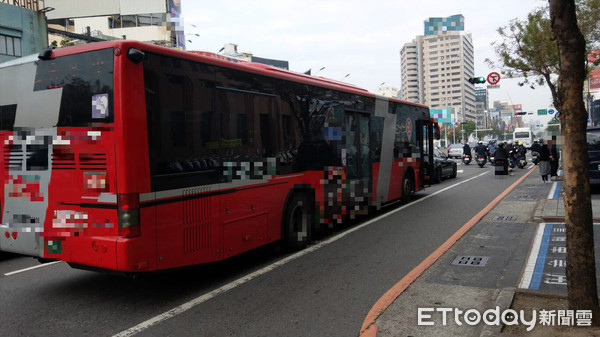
[(298, 222), (407, 188)]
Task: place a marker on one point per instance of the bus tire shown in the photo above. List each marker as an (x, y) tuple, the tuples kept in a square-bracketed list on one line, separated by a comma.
[(298, 222), (407, 187)]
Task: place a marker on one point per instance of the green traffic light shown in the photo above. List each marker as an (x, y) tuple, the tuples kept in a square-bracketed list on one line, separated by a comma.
[(477, 80)]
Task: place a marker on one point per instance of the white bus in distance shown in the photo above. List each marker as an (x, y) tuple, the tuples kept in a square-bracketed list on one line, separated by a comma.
[(524, 135)]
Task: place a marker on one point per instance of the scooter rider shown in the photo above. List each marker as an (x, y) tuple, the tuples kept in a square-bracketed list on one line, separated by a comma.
[(512, 153), (481, 150), (501, 156), (466, 149), (492, 146), (521, 149), (536, 150), (536, 147), (509, 146)]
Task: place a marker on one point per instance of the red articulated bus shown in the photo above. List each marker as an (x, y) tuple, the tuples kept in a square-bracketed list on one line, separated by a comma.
[(131, 157)]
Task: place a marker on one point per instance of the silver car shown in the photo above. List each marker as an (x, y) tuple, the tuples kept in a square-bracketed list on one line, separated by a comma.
[(455, 151)]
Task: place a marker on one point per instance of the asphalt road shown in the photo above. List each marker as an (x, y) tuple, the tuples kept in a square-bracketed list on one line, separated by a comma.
[(325, 291)]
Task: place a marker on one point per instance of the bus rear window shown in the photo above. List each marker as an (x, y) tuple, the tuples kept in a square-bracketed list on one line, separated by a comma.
[(86, 80)]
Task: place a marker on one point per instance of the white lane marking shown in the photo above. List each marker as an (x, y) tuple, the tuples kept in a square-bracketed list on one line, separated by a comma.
[(533, 255), (460, 171), (31, 268), (188, 305), (530, 167)]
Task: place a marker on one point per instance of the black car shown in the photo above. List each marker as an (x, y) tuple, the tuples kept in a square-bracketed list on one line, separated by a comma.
[(442, 167)]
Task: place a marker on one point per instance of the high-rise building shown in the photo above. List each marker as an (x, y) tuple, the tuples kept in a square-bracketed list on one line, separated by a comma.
[(437, 26), (481, 108), (409, 69), (435, 68)]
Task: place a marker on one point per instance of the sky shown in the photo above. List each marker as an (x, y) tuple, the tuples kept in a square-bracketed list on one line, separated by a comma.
[(356, 37)]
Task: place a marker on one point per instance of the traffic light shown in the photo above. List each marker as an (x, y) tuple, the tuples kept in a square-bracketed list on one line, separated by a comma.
[(477, 80), (519, 113)]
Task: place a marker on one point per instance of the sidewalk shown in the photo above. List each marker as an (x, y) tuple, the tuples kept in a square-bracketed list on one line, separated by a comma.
[(514, 249)]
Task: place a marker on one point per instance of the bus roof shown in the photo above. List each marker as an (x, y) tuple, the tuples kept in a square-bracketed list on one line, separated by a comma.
[(208, 57)]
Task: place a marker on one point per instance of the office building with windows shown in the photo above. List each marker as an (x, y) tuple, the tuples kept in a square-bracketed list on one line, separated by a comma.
[(435, 68), (481, 108), (155, 21), (22, 29)]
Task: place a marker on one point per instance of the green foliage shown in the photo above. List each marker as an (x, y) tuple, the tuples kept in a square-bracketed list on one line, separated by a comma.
[(527, 49), (469, 127), (588, 20)]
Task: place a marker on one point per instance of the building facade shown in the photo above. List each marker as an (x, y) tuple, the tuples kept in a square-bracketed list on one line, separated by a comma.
[(387, 92), (435, 68), (481, 108), (22, 29), (410, 87), (155, 21)]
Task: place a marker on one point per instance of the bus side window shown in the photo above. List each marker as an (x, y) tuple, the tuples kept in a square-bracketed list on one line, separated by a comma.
[(181, 123), (263, 106), (289, 131), (233, 117)]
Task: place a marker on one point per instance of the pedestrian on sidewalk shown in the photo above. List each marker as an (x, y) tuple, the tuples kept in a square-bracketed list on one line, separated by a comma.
[(544, 161), (554, 157)]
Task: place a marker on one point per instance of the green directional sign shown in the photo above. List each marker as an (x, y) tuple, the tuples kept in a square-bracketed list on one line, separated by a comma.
[(542, 112)]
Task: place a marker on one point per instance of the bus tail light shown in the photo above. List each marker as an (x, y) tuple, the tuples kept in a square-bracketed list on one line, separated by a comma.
[(129, 214)]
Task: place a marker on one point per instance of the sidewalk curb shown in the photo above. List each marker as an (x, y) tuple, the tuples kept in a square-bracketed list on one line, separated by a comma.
[(369, 327), (538, 214), (503, 301)]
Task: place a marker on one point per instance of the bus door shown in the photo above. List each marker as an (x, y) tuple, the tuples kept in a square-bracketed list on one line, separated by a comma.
[(358, 162), (425, 135)]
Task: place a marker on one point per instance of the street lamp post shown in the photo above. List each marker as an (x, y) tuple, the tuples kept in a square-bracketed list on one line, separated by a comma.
[(453, 134)]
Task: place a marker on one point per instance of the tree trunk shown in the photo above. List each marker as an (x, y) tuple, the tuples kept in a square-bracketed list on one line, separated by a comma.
[(581, 269)]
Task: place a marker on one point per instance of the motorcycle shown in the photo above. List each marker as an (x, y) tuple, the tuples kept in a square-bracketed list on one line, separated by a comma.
[(522, 162), (535, 157), (481, 159), (492, 157), (500, 167), (466, 159), (511, 158)]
